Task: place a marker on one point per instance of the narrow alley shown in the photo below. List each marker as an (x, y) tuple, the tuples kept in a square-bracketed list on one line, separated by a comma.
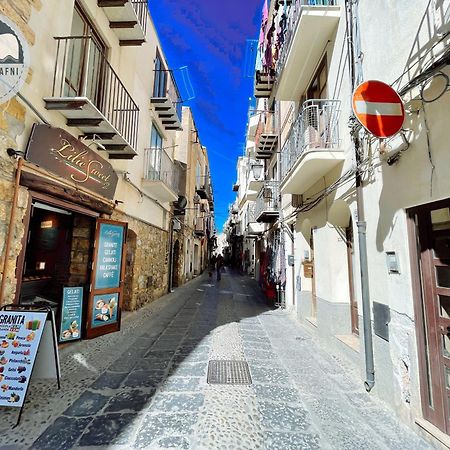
[(146, 386)]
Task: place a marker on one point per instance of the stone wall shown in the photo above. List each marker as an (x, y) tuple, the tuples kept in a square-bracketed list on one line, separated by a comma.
[(146, 277), (79, 271), (12, 125)]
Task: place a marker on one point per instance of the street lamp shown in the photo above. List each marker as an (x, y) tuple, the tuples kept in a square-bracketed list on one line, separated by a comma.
[(257, 170)]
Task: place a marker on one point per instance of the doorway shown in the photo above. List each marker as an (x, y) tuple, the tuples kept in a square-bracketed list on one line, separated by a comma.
[(57, 255), (430, 231), (313, 278), (176, 264)]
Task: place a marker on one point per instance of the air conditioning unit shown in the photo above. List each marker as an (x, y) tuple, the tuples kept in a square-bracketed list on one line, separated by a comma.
[(297, 200)]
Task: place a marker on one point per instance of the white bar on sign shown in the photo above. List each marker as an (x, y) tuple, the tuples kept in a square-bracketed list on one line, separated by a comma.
[(378, 109)]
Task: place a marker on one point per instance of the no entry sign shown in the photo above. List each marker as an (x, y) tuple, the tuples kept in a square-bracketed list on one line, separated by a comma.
[(378, 108)]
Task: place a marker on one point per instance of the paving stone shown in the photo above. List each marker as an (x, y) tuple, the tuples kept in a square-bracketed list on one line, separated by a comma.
[(62, 434), (174, 402), (88, 404), (276, 393), (186, 369), (265, 375), (181, 384), (144, 378), (109, 380), (294, 441), (160, 354), (283, 417), (160, 425), (110, 429), (152, 364), (130, 401)]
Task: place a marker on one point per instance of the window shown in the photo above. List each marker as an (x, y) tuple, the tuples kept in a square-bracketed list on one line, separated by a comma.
[(156, 145), (75, 75), (160, 83), (318, 87)]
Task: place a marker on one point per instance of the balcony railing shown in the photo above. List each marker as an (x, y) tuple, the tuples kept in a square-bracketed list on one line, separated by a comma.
[(294, 14), (159, 167), (267, 203), (266, 138), (167, 99), (315, 128), (88, 91), (141, 9), (203, 187)]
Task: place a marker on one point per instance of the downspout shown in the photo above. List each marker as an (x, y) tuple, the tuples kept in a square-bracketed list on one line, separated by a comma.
[(361, 222), (11, 225)]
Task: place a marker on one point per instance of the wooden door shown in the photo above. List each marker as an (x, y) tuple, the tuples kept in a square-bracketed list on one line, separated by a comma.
[(108, 273), (433, 226), (350, 261)]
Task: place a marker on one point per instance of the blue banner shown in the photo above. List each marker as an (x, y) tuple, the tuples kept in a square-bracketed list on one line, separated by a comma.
[(104, 309), (109, 256), (71, 312)]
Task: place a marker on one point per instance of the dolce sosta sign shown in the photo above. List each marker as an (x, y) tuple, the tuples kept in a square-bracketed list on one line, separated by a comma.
[(59, 152), (108, 274)]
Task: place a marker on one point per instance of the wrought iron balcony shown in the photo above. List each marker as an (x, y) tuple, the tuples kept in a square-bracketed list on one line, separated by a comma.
[(162, 176), (167, 100), (89, 93), (312, 147), (128, 19), (267, 203), (200, 226), (203, 187), (266, 140), (264, 81), (310, 25), (253, 228)]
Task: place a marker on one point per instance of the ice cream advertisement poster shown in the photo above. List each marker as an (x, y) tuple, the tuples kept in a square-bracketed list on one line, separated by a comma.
[(71, 314), (105, 308), (20, 335)]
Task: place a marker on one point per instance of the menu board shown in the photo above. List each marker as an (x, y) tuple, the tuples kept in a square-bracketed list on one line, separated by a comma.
[(71, 312), (109, 256), (20, 335), (105, 308)]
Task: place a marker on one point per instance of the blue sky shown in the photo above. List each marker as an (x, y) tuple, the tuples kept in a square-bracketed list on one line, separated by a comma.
[(210, 37)]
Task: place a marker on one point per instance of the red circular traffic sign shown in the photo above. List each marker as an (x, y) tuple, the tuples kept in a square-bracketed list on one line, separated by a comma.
[(378, 108)]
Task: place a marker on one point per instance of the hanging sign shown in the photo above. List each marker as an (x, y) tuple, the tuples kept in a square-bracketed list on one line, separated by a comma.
[(109, 256), (20, 335), (71, 314), (57, 150), (378, 108), (14, 59)]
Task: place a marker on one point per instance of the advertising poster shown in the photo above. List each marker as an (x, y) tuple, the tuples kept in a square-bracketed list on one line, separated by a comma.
[(20, 335), (109, 257), (71, 312), (105, 309)]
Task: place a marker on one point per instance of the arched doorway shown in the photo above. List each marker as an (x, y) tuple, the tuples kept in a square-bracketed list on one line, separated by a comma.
[(176, 264)]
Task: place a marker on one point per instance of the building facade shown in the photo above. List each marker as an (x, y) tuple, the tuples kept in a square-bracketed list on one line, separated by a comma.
[(89, 179), (354, 227)]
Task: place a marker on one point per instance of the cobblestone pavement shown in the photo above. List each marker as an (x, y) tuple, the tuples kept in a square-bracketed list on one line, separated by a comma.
[(146, 387)]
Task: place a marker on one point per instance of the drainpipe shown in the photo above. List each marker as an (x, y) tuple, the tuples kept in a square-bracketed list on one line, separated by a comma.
[(12, 220), (361, 222)]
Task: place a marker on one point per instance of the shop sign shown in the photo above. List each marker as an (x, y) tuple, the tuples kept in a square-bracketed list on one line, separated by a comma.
[(20, 335), (14, 59), (109, 256), (56, 150), (105, 308), (71, 314)]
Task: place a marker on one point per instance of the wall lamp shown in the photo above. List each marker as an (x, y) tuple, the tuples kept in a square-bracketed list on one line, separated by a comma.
[(12, 153), (257, 170)]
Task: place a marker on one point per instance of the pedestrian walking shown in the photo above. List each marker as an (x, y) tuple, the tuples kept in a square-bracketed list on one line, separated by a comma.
[(219, 265), (212, 265)]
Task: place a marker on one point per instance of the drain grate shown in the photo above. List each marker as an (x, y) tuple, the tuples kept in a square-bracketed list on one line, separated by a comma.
[(228, 372)]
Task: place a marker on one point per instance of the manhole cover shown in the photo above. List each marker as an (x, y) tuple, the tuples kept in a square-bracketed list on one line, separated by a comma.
[(228, 372)]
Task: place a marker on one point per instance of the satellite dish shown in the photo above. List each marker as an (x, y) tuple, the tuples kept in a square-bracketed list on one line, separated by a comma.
[(182, 202)]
